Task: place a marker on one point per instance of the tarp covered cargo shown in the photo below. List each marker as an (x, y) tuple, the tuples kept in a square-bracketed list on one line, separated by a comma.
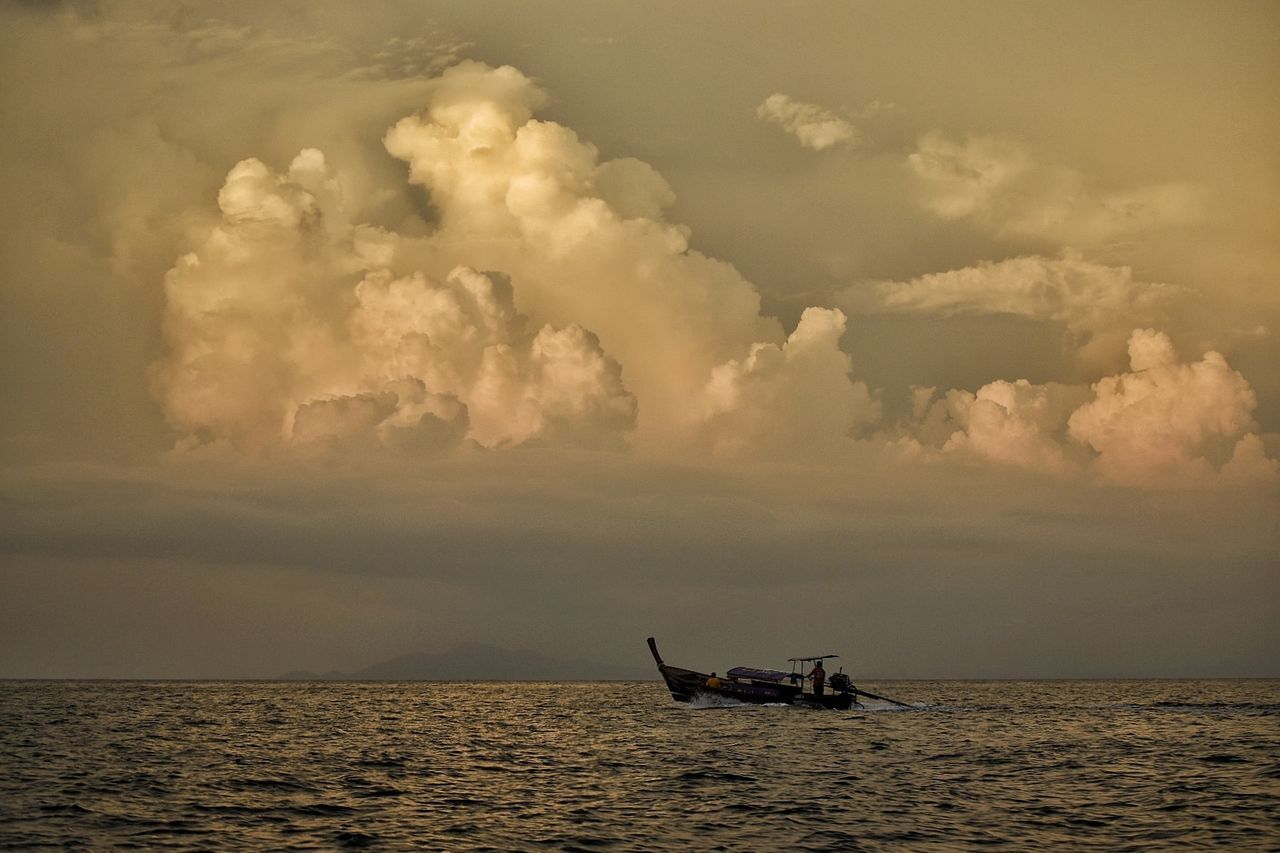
[(746, 672)]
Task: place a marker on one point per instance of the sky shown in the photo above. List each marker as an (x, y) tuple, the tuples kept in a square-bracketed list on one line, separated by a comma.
[(942, 336)]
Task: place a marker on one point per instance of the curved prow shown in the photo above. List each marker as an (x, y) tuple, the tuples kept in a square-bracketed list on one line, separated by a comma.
[(653, 647), (684, 684)]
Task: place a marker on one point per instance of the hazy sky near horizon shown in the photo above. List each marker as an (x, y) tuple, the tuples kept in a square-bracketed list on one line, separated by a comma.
[(944, 336)]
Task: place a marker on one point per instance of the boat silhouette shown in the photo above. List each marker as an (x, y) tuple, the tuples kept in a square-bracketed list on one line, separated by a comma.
[(761, 686)]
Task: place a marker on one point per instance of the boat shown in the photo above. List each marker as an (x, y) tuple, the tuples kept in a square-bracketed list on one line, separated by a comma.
[(744, 684)]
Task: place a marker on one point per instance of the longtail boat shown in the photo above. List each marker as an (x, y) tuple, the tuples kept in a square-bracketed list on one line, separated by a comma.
[(761, 686)]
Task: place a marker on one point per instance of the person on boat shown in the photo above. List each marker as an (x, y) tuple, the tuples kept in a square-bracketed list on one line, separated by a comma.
[(819, 676)]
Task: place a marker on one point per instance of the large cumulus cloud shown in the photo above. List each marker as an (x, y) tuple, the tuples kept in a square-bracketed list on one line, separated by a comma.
[(548, 300), (789, 398), (1167, 420), (294, 324), (286, 327), (1162, 423), (585, 241)]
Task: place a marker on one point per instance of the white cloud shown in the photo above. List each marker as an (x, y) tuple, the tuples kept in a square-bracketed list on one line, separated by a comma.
[(292, 324), (1165, 420), (812, 125), (1087, 298), (790, 398), (285, 328), (1163, 423), (1014, 423), (585, 241)]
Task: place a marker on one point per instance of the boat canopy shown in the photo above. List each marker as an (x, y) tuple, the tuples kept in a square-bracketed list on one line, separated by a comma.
[(758, 674), (812, 657)]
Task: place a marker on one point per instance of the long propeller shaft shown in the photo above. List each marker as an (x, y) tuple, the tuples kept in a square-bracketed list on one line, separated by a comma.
[(869, 695)]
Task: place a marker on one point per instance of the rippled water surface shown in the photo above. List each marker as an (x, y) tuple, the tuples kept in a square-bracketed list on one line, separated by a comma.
[(1114, 764)]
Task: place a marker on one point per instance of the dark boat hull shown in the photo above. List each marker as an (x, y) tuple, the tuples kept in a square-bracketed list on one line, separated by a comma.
[(687, 685)]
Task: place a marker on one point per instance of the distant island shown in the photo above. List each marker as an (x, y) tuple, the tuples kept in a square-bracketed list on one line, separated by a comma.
[(480, 662)]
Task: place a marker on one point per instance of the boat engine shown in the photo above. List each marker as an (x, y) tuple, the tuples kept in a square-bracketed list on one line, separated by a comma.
[(840, 682)]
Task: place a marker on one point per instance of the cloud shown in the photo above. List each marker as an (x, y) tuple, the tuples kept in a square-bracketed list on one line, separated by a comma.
[(1097, 303), (1082, 295), (585, 241), (1165, 420), (1015, 423), (285, 328), (790, 397), (415, 56), (406, 319), (353, 416), (963, 179), (997, 184), (1162, 424), (277, 357), (812, 125), (293, 324)]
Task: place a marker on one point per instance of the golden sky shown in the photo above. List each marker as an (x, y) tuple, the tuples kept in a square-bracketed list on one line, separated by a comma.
[(946, 334)]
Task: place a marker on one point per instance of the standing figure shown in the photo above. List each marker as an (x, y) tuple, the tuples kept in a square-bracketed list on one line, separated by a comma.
[(819, 676)]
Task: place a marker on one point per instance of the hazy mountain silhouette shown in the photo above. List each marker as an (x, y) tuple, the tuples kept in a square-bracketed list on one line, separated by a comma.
[(479, 662)]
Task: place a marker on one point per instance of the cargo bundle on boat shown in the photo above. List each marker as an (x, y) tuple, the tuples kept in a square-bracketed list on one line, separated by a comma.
[(814, 688)]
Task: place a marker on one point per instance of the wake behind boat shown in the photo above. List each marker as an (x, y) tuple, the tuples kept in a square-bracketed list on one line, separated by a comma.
[(767, 686)]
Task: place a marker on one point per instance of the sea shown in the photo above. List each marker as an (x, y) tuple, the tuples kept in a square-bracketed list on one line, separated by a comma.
[(1114, 765)]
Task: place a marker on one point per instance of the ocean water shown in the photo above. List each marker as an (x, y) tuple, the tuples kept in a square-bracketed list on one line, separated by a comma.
[(591, 766)]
